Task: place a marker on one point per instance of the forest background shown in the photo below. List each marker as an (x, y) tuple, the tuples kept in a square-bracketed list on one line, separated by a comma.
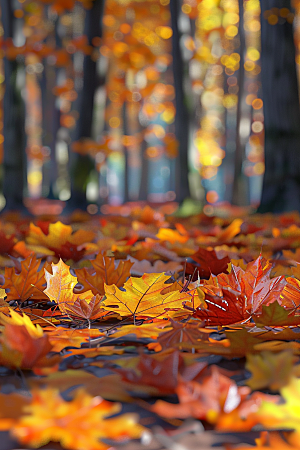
[(188, 320), (104, 102)]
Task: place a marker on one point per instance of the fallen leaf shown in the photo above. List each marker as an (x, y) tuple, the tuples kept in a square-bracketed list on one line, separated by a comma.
[(271, 370), (84, 310), (216, 399), (60, 285), (283, 415), (60, 239), (23, 344), (208, 263), (276, 315), (182, 332), (104, 272), (26, 285), (142, 297), (78, 424)]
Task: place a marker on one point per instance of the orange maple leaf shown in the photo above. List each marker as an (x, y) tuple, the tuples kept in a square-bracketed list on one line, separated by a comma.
[(23, 344), (26, 285), (78, 424), (104, 272)]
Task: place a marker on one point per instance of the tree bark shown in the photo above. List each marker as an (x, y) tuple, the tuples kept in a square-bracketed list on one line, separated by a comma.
[(14, 160), (182, 116), (144, 191), (126, 158), (81, 165), (281, 185), (240, 194), (50, 118)]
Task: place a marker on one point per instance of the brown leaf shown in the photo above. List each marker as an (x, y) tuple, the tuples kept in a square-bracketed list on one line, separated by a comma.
[(89, 311), (104, 272), (182, 332), (26, 285)]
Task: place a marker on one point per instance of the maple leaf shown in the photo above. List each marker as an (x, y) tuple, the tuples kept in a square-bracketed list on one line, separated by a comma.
[(254, 283), (60, 286), (222, 309), (26, 285), (284, 415), (105, 272), (7, 242), (271, 370), (166, 234), (216, 399), (181, 332), (232, 230), (23, 344), (142, 297), (276, 315), (146, 330), (61, 337), (88, 311), (60, 240), (240, 294), (144, 266), (161, 371), (290, 296), (78, 424), (208, 262)]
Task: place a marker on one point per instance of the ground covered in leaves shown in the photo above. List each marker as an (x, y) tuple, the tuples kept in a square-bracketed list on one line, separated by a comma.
[(140, 329)]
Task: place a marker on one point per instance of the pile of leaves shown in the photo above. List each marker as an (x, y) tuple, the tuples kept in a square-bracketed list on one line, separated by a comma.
[(140, 310)]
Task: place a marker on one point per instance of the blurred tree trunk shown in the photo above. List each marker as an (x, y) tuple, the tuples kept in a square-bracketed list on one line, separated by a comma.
[(50, 116), (144, 191), (81, 165), (125, 113), (281, 185), (182, 115), (240, 194), (14, 160)]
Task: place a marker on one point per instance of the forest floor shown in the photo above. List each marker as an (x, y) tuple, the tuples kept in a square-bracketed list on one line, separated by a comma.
[(143, 329)]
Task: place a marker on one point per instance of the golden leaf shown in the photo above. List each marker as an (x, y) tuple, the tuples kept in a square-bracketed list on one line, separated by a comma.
[(60, 286), (142, 297)]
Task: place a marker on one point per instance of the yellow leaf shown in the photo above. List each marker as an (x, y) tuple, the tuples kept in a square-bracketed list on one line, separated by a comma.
[(284, 415), (60, 286), (142, 297), (35, 331), (270, 370), (58, 235)]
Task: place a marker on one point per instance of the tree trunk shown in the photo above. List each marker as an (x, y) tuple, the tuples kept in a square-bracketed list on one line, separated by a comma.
[(281, 185), (50, 118), (144, 191), (81, 165), (240, 195), (14, 160), (126, 158), (182, 116)]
